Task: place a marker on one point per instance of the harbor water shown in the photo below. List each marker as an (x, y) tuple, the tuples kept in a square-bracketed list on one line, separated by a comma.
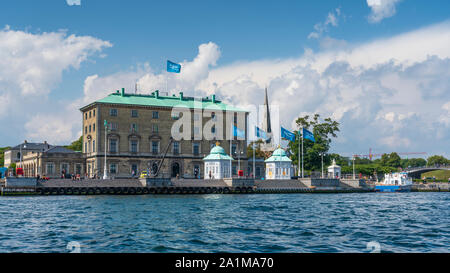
[(354, 222)]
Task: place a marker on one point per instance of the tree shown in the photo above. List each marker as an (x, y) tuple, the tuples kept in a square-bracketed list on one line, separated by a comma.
[(258, 152), (413, 163), (77, 145), (2, 155), (323, 131), (392, 160), (437, 160)]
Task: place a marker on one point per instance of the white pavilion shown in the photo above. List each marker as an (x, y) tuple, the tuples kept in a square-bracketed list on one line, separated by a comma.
[(334, 171), (217, 164), (278, 166)]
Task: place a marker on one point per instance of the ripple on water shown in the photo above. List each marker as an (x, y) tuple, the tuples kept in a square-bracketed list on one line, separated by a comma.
[(410, 222)]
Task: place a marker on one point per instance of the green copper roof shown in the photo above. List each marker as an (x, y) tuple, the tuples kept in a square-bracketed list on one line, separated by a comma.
[(278, 155), (217, 153), (165, 101)]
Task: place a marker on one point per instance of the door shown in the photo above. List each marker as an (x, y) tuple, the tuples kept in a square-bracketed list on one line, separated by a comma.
[(175, 169)]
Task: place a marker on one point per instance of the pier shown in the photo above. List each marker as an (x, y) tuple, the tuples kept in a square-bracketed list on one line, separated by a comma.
[(28, 186)]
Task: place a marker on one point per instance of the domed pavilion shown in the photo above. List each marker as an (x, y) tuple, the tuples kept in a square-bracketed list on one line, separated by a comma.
[(278, 166), (217, 163)]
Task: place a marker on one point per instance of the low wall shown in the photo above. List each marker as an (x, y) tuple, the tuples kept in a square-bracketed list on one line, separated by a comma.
[(21, 182), (320, 182), (155, 182), (86, 183), (353, 183), (239, 182), (279, 184)]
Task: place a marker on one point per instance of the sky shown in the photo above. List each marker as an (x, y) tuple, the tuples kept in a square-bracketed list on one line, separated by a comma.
[(379, 67)]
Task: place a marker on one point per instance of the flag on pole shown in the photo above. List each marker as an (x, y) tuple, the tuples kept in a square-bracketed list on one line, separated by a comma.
[(287, 134), (308, 135), (260, 133), (173, 67), (238, 132)]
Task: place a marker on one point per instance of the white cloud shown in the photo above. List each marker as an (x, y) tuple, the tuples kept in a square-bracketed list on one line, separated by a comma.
[(73, 2), (32, 66), (381, 9), (390, 94), (331, 20)]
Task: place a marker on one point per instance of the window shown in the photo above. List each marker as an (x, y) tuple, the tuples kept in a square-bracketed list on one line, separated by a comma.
[(155, 147), (213, 129), (134, 113), (89, 128), (233, 149), (235, 118), (213, 116), (78, 168), (94, 113), (134, 169), (85, 116), (112, 168), (93, 146), (155, 114), (65, 168), (195, 148), (134, 146), (113, 112), (134, 128), (113, 126), (113, 145), (85, 129), (155, 128), (85, 147), (234, 170), (176, 147), (90, 114), (50, 169), (93, 127)]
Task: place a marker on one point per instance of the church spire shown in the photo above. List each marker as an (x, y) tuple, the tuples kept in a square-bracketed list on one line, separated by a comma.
[(266, 122)]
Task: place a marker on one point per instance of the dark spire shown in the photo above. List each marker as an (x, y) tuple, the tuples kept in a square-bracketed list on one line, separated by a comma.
[(266, 123)]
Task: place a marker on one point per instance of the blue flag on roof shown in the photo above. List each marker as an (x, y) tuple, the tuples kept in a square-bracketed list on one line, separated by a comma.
[(173, 67), (287, 134), (308, 135), (238, 132)]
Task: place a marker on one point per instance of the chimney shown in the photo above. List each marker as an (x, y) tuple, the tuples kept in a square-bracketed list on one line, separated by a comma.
[(181, 95), (213, 98), (123, 92), (156, 94)]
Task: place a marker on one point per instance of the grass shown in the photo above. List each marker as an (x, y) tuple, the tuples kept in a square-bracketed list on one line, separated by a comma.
[(441, 175)]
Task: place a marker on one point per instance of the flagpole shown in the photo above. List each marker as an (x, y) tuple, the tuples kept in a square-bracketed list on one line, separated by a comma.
[(303, 172), (253, 160), (231, 154), (299, 167)]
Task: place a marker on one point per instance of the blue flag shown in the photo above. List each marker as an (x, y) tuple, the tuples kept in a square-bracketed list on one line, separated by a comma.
[(308, 135), (287, 134), (260, 133), (173, 67), (238, 132)]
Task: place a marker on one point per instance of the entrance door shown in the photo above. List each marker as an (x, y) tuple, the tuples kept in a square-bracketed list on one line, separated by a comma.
[(175, 169)]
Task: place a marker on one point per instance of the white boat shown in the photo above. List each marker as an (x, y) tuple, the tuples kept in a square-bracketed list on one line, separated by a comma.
[(395, 182)]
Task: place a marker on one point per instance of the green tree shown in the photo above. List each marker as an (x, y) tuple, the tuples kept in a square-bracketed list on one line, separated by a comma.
[(77, 145), (437, 160), (323, 132), (2, 155), (413, 162), (258, 152), (392, 160)]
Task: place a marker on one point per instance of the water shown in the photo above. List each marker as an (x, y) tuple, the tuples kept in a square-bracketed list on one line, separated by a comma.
[(407, 222)]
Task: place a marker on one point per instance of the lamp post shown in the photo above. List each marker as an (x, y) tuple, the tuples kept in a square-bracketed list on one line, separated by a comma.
[(353, 167), (322, 154), (105, 171)]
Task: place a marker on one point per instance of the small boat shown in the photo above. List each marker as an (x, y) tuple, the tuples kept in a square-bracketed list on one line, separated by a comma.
[(394, 182)]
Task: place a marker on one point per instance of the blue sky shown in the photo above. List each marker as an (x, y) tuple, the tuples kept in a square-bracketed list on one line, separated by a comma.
[(224, 44)]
